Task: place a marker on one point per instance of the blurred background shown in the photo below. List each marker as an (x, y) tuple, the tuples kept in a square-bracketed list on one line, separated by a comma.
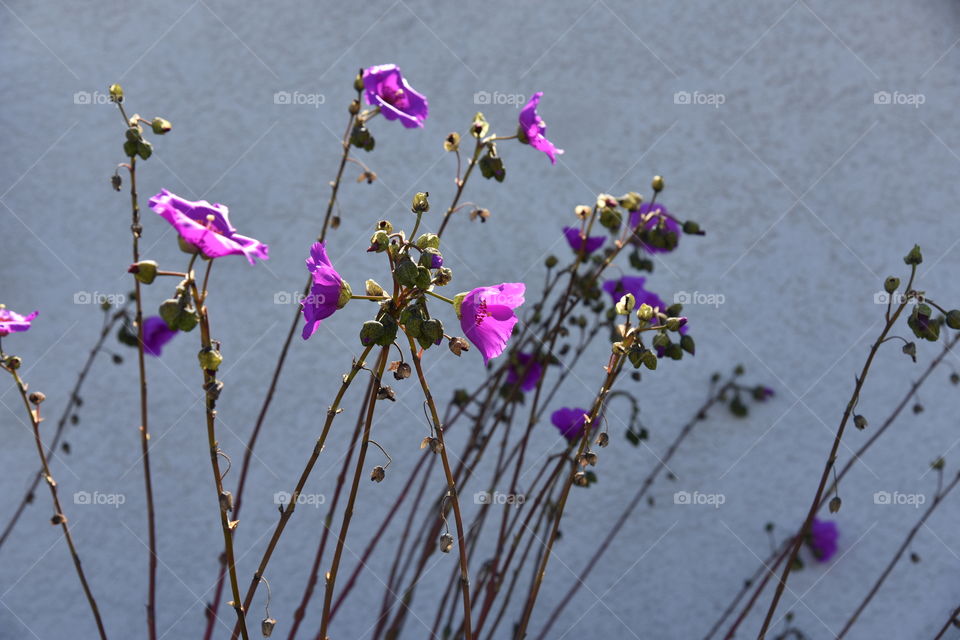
[(815, 142)]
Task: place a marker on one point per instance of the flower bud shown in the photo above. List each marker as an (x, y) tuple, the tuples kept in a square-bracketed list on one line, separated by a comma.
[(145, 271), (144, 149), (358, 82), (384, 225), (953, 319), (834, 504), (452, 141), (403, 371), (116, 181), (346, 293), (354, 107), (444, 277), (691, 228), (187, 247), (603, 439), (36, 397), (891, 284), (431, 259), (210, 359), (458, 345), (480, 126), (631, 201), (859, 422), (657, 184), (428, 241), (406, 272), (161, 126), (910, 349), (645, 312), (431, 330), (379, 242), (580, 479), (378, 474), (446, 543), (370, 332), (266, 627), (914, 257), (226, 501), (373, 289), (688, 345), (116, 93), (420, 204), (491, 165), (550, 262)]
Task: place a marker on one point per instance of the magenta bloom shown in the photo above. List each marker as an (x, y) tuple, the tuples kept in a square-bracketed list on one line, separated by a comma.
[(577, 243), (13, 322), (387, 89), (525, 362), (570, 422), (633, 284), (487, 318), (823, 539), (533, 130), (669, 224), (206, 226), (328, 293), (156, 334)]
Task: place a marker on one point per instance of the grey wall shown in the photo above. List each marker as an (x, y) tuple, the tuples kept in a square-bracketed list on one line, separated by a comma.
[(810, 190)]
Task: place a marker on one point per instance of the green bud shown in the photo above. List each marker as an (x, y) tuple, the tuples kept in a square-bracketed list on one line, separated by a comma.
[(657, 183), (210, 359), (389, 331), (161, 126), (891, 284), (625, 305), (384, 225), (452, 142), (406, 272), (145, 271), (953, 319), (428, 241), (144, 149), (370, 332), (14, 362), (458, 301), (645, 312), (444, 277), (129, 149), (674, 351), (170, 312), (650, 360), (673, 324), (688, 345), (691, 228), (610, 218), (491, 166), (373, 289), (345, 294), (431, 332), (361, 138), (358, 82), (631, 201), (914, 257), (910, 349), (424, 279), (834, 504), (480, 126), (661, 341), (551, 262), (427, 256), (421, 203), (379, 242), (116, 93)]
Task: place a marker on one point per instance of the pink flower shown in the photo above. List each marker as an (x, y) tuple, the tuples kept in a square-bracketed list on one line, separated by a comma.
[(13, 322), (531, 369), (487, 318), (206, 226), (328, 292), (580, 243), (156, 334), (823, 539), (533, 130), (387, 89), (570, 422)]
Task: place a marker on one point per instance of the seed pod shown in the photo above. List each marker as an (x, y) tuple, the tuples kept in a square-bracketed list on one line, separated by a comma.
[(603, 439), (446, 543), (226, 501), (859, 422), (580, 479), (37, 397), (835, 503), (266, 627), (378, 474)]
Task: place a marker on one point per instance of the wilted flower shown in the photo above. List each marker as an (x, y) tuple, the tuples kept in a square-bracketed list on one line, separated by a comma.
[(823, 539), (578, 243), (328, 292), (533, 370), (533, 130), (156, 334), (487, 318), (570, 422), (669, 224), (13, 322), (206, 226), (387, 89)]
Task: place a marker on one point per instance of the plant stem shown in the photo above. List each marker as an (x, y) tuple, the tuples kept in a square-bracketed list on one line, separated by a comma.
[(331, 576), (831, 459), (59, 517), (461, 183), (451, 489), (287, 511)]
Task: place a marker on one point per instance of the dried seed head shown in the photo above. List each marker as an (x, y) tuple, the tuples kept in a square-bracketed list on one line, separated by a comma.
[(378, 474), (859, 421), (387, 393), (58, 518), (603, 439), (835, 503), (266, 627), (403, 371), (591, 458), (580, 479), (37, 397), (226, 501), (446, 543)]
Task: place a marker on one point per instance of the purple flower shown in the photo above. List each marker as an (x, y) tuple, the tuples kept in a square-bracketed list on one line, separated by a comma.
[(669, 224), (570, 422), (328, 293), (13, 322), (579, 243), (206, 226), (156, 333), (487, 318), (533, 130), (436, 261), (633, 284), (387, 89), (525, 363), (823, 539)]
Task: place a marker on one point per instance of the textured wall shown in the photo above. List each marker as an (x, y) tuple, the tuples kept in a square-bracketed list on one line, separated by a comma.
[(811, 191)]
